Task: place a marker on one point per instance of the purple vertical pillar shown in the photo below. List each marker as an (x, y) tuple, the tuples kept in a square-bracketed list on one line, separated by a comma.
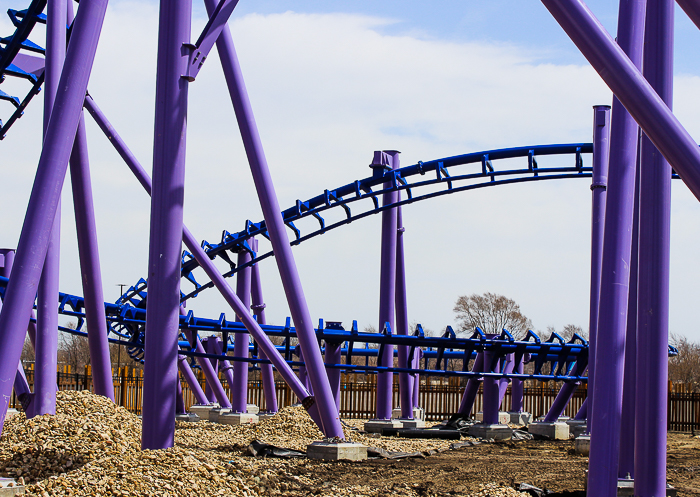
[(191, 380), (503, 382), (333, 356), (614, 288), (472, 388), (46, 352), (387, 284), (517, 392), (239, 390), (491, 401), (100, 359), (405, 379), (43, 202), (626, 459), (599, 186), (277, 231), (179, 399), (210, 348), (654, 260), (258, 306), (416, 378), (165, 246)]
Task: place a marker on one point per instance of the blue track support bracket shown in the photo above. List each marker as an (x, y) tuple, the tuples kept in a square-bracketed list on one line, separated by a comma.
[(532, 162)]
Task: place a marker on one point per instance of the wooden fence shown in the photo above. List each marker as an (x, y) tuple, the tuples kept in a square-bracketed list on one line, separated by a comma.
[(440, 398)]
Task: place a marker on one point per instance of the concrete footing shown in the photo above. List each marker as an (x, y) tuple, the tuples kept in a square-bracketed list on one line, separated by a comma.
[(11, 412), (520, 418), (503, 417), (412, 423), (582, 445), (329, 451), (203, 410), (252, 409), (625, 488), (237, 418), (9, 486), (553, 431), (215, 414), (377, 425), (418, 413), (497, 432), (265, 415), (576, 427), (188, 417)]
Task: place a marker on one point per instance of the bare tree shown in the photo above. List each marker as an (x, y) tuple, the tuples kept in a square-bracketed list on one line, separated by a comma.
[(73, 350), (492, 313), (685, 367), (27, 352), (567, 332)]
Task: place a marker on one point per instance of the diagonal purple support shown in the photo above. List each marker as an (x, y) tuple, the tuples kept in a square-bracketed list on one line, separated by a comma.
[(405, 379), (43, 202), (208, 346), (239, 390), (211, 376), (90, 266), (472, 388), (276, 229), (225, 366), (165, 245), (191, 380), (654, 262), (692, 9), (517, 390)]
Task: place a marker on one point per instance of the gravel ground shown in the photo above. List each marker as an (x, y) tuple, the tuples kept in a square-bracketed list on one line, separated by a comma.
[(92, 447)]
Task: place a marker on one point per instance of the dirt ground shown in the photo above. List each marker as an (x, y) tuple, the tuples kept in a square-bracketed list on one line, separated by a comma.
[(544, 464)]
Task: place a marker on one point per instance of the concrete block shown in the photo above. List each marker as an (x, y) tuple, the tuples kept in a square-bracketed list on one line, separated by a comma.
[(497, 432), (9, 486), (237, 418), (553, 431), (503, 417), (418, 413), (576, 427), (214, 414), (266, 415), (413, 423), (252, 409), (625, 488), (582, 445), (11, 412), (376, 425), (329, 451), (188, 417), (520, 418), (203, 410)]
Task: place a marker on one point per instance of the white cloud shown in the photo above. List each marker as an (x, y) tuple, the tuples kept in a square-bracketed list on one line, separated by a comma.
[(327, 91)]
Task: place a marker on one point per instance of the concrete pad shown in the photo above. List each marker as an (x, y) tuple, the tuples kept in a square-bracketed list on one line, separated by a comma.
[(329, 451), (520, 418), (215, 414), (203, 410), (582, 445), (377, 425), (412, 423), (625, 488), (187, 417), (237, 418), (553, 431), (503, 417), (11, 412), (497, 432), (418, 413), (576, 427), (266, 415), (252, 409), (9, 486)]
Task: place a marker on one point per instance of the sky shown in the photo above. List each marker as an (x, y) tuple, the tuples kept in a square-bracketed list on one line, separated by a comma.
[(332, 81)]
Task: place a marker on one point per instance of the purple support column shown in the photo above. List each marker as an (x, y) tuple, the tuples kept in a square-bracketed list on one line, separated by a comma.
[(612, 320), (333, 356), (692, 9), (416, 378), (209, 373), (626, 459), (517, 392), (405, 379), (503, 382), (258, 306), (46, 352), (277, 232), (560, 401), (387, 284), (239, 390), (210, 269), (165, 246), (86, 229), (599, 186), (654, 260), (491, 400), (627, 83), (303, 375), (43, 202), (209, 346), (191, 380), (225, 366), (582, 413), (179, 399), (472, 388)]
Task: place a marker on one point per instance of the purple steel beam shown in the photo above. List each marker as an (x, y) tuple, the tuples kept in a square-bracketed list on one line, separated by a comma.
[(258, 306), (209, 373), (627, 83), (86, 229), (503, 382), (612, 319), (472, 388), (333, 356), (211, 32), (416, 378), (692, 9), (165, 241), (517, 391), (208, 266), (599, 186), (209, 348), (330, 419), (560, 401), (46, 351), (626, 459), (387, 284), (225, 366), (43, 202), (582, 413), (491, 403), (405, 379), (191, 380), (654, 262), (239, 389), (179, 399)]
